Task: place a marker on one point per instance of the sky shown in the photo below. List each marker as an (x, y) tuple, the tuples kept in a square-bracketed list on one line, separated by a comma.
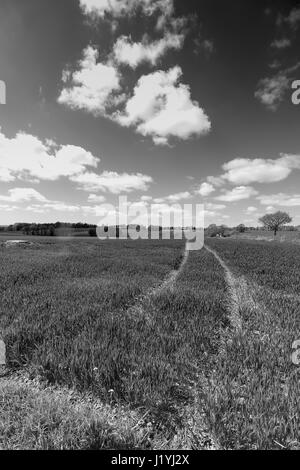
[(161, 101)]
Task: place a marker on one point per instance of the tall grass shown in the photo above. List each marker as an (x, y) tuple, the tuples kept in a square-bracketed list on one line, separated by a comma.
[(254, 401), (65, 317)]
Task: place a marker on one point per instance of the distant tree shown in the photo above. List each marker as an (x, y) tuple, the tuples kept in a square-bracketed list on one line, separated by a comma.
[(216, 231), (275, 221), (241, 228), (222, 230)]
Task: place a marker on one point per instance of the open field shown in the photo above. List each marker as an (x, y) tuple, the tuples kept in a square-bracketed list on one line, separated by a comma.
[(257, 386), (201, 359), (260, 235)]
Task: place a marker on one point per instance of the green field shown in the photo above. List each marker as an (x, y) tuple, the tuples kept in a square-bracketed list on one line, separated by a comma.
[(282, 236), (104, 352)]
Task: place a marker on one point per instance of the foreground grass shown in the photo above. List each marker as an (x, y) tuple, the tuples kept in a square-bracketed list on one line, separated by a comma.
[(38, 417), (255, 387), (78, 335), (63, 307), (67, 319)]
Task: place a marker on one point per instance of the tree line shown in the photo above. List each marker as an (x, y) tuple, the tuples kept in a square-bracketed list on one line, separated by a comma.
[(47, 230), (272, 222)]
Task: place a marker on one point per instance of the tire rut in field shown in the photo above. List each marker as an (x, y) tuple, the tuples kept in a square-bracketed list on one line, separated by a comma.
[(241, 294), (144, 304), (169, 282)]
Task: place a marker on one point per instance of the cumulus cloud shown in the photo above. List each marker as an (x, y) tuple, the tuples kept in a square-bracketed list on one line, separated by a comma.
[(238, 194), (96, 199), (125, 7), (38, 202), (54, 206), (161, 10), (206, 189), (281, 43), (17, 195), (173, 198), (205, 45), (26, 157), (215, 180), (113, 182), (8, 207), (91, 88), (271, 90), (162, 108), (214, 207), (259, 170), (135, 53), (251, 209), (293, 19), (146, 199), (281, 199)]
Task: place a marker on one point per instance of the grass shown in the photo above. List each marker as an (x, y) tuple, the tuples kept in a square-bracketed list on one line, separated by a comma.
[(36, 417), (144, 377), (66, 318), (255, 388), (63, 307), (282, 236)]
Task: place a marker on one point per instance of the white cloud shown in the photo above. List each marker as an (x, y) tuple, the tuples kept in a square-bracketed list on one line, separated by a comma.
[(162, 108), (214, 207), (281, 43), (26, 157), (259, 170), (163, 9), (205, 45), (125, 7), (8, 208), (281, 199), (178, 197), (135, 53), (96, 199), (206, 189), (271, 91), (23, 195), (52, 206), (215, 180), (172, 198), (251, 209), (208, 46), (275, 64), (238, 194), (293, 18), (146, 198), (39, 203), (113, 182), (91, 88)]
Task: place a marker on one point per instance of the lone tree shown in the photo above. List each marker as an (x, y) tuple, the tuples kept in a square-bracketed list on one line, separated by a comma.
[(241, 228), (276, 220)]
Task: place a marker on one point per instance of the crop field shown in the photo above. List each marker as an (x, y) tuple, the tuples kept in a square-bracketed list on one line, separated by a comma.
[(106, 350), (283, 236), (256, 398)]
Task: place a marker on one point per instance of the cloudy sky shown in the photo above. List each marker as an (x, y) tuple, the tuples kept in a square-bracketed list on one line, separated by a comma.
[(164, 101)]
